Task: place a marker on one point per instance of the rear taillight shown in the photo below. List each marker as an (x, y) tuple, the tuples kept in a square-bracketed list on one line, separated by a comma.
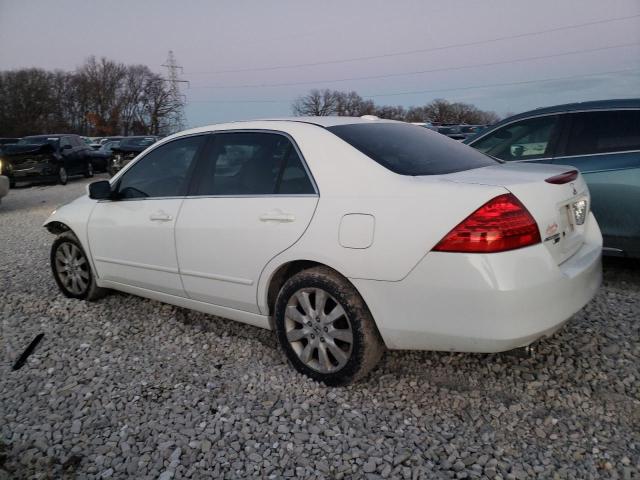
[(563, 178), (501, 224)]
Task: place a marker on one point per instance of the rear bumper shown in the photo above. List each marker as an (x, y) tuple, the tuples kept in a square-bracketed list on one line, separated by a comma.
[(484, 302), (4, 186)]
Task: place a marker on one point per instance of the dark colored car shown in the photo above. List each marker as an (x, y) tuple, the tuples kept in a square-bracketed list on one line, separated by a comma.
[(451, 131), (42, 158), (8, 141), (103, 156), (128, 149), (471, 130), (601, 139), (109, 139)]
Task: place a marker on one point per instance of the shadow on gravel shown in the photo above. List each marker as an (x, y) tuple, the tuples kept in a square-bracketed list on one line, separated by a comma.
[(621, 269)]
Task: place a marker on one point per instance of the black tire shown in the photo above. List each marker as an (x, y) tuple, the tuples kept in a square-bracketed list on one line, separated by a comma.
[(88, 172), (68, 242), (366, 348), (63, 176)]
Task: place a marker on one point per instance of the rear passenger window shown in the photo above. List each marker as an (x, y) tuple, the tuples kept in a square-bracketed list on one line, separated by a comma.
[(253, 163), (602, 132)]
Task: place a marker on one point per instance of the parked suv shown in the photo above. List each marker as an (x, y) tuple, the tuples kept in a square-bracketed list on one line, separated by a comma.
[(128, 149), (46, 158), (601, 139)]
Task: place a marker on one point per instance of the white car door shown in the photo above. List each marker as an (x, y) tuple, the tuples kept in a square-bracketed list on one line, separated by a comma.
[(132, 236), (254, 199)]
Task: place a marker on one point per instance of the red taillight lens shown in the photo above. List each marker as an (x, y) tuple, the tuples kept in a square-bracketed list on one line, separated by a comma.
[(501, 224)]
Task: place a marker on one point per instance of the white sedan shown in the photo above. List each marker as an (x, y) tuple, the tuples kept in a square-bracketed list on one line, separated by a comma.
[(344, 235)]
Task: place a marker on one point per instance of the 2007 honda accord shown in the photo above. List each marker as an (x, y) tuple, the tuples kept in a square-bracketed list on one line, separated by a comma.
[(344, 235)]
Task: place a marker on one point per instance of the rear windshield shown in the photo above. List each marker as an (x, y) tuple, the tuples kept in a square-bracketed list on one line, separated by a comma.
[(137, 142), (411, 150)]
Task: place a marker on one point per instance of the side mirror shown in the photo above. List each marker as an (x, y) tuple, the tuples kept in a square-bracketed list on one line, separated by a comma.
[(100, 190), (67, 147)]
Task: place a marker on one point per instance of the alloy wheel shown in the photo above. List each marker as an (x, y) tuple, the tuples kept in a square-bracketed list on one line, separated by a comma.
[(72, 268), (318, 330)]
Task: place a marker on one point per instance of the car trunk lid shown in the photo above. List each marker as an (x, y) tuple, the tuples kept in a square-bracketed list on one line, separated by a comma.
[(555, 206)]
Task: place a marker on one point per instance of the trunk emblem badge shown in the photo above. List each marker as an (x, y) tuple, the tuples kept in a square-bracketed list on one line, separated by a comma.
[(551, 229)]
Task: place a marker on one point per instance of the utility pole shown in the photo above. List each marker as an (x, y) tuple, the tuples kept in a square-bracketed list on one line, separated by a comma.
[(176, 119)]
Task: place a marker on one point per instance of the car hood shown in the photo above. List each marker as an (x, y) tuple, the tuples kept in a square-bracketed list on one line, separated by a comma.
[(24, 149)]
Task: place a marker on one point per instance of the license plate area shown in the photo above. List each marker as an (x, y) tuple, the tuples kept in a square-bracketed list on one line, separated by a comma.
[(570, 232)]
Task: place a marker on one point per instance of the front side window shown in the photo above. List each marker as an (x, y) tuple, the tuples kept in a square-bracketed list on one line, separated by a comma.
[(253, 163), (602, 132), (525, 140), (163, 172)]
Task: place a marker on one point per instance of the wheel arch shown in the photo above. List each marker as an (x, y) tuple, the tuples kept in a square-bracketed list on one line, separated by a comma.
[(56, 227), (284, 272)]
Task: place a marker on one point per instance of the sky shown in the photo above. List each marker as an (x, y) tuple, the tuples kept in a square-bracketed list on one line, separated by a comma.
[(248, 59)]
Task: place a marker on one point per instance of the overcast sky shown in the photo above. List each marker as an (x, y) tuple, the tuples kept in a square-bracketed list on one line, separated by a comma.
[(489, 53)]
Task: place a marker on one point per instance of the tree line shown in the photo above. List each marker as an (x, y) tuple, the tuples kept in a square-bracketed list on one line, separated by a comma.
[(99, 98), (335, 102)]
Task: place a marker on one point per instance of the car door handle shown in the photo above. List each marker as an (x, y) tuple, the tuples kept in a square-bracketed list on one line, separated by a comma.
[(160, 217), (277, 216)]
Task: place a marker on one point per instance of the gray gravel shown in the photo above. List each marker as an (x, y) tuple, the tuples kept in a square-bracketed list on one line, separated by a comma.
[(131, 388)]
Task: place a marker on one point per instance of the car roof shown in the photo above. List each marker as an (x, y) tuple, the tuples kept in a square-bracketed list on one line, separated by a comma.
[(52, 135), (578, 106), (329, 121)]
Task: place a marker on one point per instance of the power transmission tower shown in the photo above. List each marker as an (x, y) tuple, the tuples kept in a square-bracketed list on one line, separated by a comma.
[(176, 118)]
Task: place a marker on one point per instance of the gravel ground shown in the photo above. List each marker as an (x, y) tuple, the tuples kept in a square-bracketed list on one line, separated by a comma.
[(131, 388)]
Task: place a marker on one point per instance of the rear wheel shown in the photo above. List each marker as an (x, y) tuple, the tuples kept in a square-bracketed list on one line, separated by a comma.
[(325, 328), (63, 176), (71, 269)]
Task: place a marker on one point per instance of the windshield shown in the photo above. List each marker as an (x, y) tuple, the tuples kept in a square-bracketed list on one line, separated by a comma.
[(137, 142), (411, 150), (39, 141)]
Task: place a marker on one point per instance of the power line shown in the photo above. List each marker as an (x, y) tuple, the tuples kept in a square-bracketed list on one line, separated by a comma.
[(416, 92), (507, 84), (417, 72), (421, 50)]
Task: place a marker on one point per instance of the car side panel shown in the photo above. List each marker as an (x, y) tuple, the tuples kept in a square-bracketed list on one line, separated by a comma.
[(614, 183)]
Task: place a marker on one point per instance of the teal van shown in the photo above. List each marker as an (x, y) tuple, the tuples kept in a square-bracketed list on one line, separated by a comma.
[(601, 139)]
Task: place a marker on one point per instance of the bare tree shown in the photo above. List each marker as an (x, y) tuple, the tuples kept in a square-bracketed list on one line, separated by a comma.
[(334, 102), (101, 97), (391, 112), (317, 103), (353, 105)]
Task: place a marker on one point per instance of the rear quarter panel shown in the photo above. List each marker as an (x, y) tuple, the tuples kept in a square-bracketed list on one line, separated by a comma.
[(411, 214)]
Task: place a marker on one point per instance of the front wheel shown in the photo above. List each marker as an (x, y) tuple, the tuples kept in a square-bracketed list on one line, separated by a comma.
[(325, 328), (88, 171), (63, 176), (71, 269)]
